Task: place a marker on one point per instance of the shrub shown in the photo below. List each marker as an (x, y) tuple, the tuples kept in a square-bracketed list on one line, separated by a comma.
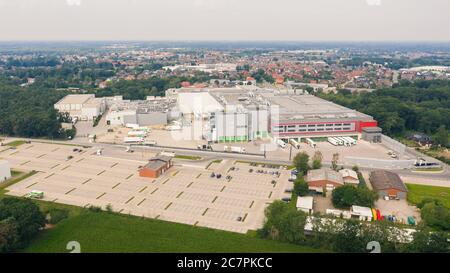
[(95, 209), (301, 188), (348, 195), (57, 215)]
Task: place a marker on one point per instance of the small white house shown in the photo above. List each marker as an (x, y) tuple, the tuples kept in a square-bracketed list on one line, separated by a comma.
[(305, 204), (361, 213), (349, 176), (5, 170)]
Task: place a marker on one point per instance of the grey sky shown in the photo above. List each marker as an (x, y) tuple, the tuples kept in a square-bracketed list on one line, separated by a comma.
[(362, 20)]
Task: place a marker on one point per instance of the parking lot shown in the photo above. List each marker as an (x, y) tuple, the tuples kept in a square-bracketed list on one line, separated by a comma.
[(184, 194)]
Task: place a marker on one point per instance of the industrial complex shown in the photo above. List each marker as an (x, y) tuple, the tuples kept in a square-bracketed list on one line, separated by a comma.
[(237, 114)]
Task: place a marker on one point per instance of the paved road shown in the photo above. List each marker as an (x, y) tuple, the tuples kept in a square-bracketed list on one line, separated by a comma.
[(442, 178)]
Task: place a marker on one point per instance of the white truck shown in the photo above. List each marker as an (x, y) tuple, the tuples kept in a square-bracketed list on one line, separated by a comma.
[(133, 140), (339, 141), (351, 140), (234, 149), (311, 143), (173, 128), (150, 142), (281, 143), (294, 143), (344, 141), (137, 133), (333, 141)]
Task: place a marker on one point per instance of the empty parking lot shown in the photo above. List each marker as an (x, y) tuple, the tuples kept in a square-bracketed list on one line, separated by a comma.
[(184, 194)]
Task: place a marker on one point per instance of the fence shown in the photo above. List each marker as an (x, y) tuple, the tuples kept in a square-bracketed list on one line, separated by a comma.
[(393, 145)]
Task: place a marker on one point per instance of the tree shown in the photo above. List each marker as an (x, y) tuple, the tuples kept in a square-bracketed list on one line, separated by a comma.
[(301, 163), (428, 241), (441, 137), (301, 188), (317, 160), (9, 236), (334, 161), (284, 222), (25, 214), (435, 214), (348, 195), (348, 239)]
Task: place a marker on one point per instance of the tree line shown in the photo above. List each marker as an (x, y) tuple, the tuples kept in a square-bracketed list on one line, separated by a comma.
[(422, 106), (29, 111)]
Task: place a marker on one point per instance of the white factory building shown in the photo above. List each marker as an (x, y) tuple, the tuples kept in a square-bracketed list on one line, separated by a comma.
[(241, 114), (5, 170), (85, 107), (148, 112)]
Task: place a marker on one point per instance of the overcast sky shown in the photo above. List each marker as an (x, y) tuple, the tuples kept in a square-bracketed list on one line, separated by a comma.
[(322, 20)]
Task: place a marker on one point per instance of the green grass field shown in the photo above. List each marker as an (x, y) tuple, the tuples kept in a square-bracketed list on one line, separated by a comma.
[(418, 192), (17, 176), (188, 157), (15, 143), (110, 232)]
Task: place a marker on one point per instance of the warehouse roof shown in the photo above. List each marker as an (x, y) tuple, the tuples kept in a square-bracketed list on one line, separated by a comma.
[(372, 129), (383, 180), (324, 174), (305, 202), (157, 162), (76, 99)]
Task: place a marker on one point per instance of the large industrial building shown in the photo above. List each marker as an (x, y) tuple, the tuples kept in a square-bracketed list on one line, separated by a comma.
[(244, 114), (231, 114), (152, 111), (82, 106), (86, 107)]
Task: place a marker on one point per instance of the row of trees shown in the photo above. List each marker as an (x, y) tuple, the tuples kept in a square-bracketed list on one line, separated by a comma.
[(285, 223), (29, 111), (154, 86)]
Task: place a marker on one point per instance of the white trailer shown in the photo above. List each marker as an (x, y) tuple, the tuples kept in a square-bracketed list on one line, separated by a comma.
[(351, 140), (281, 143), (333, 141), (339, 142), (150, 142), (133, 140), (136, 133), (294, 143), (132, 125), (173, 128), (234, 149), (311, 143), (343, 141)]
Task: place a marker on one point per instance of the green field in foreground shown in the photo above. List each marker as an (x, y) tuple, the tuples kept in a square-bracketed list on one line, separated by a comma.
[(418, 192), (110, 232)]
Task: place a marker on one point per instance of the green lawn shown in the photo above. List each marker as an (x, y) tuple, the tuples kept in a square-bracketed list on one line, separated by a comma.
[(188, 157), (15, 143), (16, 177), (418, 192), (108, 232)]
